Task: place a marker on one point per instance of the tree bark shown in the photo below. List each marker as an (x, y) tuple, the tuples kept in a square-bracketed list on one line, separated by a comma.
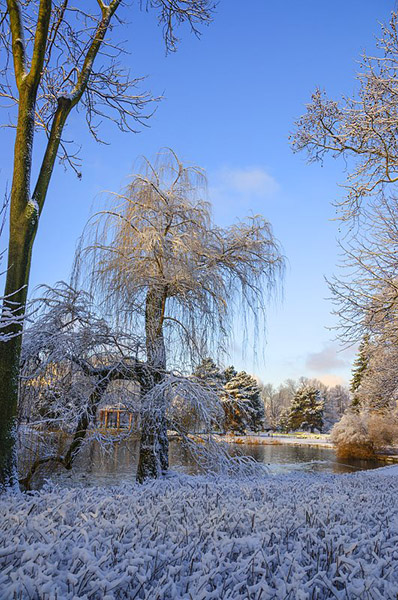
[(23, 227), (24, 209), (154, 444), (85, 419)]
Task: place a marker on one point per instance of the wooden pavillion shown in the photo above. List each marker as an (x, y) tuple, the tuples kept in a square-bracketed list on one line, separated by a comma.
[(117, 418)]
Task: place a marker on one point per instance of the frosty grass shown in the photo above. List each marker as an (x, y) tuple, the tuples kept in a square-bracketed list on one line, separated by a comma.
[(294, 537)]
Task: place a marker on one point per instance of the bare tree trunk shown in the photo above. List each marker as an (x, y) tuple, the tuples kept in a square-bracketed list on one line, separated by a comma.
[(85, 419), (154, 444), (23, 227), (24, 209)]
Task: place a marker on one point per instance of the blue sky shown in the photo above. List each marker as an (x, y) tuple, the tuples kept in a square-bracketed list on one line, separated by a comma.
[(230, 102)]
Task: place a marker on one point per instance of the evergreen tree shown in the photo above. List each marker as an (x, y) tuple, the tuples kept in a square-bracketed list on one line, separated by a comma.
[(243, 404), (283, 424), (306, 410), (228, 373), (360, 366), (210, 374)]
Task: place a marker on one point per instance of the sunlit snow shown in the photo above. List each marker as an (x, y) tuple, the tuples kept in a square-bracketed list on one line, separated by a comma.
[(294, 537)]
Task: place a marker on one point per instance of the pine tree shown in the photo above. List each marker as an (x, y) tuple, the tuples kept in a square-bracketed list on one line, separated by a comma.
[(306, 410), (283, 424), (243, 405), (360, 366), (228, 373), (210, 374)]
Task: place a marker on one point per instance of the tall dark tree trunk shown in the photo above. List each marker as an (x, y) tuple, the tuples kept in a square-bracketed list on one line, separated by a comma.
[(154, 444), (9, 373), (24, 208), (24, 215), (23, 226)]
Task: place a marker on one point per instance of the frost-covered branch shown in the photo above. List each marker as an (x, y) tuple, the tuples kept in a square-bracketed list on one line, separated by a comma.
[(362, 129), (158, 259), (71, 357)]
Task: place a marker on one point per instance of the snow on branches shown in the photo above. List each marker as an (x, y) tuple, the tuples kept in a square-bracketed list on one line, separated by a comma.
[(156, 257)]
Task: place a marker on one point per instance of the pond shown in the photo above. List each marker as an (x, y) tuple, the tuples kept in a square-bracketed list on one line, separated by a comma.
[(94, 467)]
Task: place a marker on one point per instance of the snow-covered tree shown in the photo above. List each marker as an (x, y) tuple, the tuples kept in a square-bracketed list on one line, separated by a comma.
[(277, 405), (210, 375), (74, 362), (378, 388), (228, 373), (271, 408), (360, 366), (362, 128), (244, 408), (157, 256), (337, 400), (277, 401), (306, 411), (283, 422), (71, 356), (56, 56)]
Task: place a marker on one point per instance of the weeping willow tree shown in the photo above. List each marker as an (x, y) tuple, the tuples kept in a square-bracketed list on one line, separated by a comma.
[(57, 56), (173, 275)]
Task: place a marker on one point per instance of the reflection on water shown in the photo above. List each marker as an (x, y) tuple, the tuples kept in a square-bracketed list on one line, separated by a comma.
[(287, 458), (94, 467)]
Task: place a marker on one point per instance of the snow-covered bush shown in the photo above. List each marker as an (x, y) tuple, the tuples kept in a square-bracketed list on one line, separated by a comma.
[(383, 429), (361, 434), (351, 436)]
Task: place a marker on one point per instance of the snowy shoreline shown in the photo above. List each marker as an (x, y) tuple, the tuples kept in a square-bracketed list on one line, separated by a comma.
[(265, 440), (321, 441), (190, 537)]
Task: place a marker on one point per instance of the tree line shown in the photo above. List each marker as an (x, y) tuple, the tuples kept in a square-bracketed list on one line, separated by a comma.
[(250, 405)]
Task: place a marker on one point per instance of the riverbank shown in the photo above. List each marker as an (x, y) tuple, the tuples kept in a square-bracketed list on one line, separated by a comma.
[(184, 537), (321, 440)]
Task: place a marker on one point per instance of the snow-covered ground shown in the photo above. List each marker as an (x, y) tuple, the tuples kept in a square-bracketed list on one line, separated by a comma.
[(293, 537), (321, 440), (391, 470)]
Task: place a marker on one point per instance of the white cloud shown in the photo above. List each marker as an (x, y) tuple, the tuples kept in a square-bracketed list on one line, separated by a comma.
[(254, 181), (242, 184), (328, 359)]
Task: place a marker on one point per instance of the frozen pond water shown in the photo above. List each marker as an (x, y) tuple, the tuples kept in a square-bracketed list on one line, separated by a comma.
[(95, 468)]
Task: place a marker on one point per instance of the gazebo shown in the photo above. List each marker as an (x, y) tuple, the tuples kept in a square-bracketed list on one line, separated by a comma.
[(117, 418)]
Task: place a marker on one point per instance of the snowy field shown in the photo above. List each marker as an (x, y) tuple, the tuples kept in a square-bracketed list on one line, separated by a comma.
[(288, 537)]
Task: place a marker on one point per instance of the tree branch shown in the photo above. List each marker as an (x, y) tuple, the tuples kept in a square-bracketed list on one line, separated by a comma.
[(65, 105), (92, 52), (18, 40), (39, 48)]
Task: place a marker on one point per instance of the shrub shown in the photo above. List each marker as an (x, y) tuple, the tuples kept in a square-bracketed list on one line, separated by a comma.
[(363, 434)]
